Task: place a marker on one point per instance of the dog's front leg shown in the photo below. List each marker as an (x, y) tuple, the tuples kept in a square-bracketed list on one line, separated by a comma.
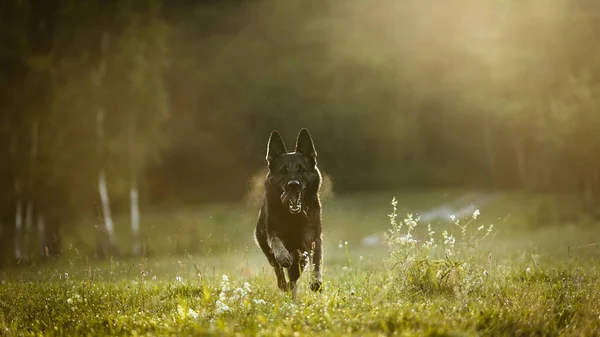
[(316, 283), (281, 253)]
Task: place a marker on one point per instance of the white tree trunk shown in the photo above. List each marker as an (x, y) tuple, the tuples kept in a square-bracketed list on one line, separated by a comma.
[(108, 222), (19, 229), (29, 189), (135, 219), (28, 225), (41, 234), (102, 185)]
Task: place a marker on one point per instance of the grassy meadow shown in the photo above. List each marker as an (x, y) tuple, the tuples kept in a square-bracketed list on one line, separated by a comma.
[(203, 274)]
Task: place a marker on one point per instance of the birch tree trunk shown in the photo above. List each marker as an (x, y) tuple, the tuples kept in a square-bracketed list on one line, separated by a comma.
[(97, 79), (28, 224), (102, 186), (133, 190), (30, 187), (41, 234), (135, 218), (19, 229), (14, 147)]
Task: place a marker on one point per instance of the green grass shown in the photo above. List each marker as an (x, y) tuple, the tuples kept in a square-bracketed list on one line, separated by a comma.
[(529, 279)]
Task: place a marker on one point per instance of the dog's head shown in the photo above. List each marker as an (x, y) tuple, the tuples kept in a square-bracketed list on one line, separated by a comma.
[(292, 172)]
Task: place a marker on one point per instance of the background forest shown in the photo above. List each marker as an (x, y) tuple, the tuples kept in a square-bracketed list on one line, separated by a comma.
[(118, 107)]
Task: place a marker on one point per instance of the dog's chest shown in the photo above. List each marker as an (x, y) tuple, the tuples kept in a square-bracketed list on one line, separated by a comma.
[(293, 233)]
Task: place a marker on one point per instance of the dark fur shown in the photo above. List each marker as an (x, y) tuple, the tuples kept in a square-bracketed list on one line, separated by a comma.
[(282, 232)]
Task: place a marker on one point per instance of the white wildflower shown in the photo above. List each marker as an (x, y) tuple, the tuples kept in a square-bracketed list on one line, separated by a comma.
[(453, 217), (70, 300), (192, 313), (480, 227), (528, 270), (181, 311), (224, 285), (476, 214), (485, 273), (340, 244), (259, 301), (179, 278), (221, 307)]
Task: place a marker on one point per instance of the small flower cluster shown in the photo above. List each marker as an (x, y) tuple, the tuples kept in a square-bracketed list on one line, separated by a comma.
[(449, 241), (240, 293), (220, 306), (237, 296), (430, 244), (456, 270), (185, 312)]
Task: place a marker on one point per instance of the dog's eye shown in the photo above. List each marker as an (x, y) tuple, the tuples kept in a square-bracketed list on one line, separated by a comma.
[(301, 169), (283, 170)]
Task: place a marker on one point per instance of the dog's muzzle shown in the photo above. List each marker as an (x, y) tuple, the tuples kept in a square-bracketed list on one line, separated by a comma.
[(292, 196)]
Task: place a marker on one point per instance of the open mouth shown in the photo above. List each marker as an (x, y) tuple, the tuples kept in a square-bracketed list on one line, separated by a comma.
[(294, 202)]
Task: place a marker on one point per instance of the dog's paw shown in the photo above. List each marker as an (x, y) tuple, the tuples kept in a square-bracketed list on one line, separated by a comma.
[(285, 286), (316, 286), (283, 257)]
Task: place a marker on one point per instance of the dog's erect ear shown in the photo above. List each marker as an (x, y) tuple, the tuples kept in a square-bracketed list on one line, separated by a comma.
[(275, 146), (304, 145)]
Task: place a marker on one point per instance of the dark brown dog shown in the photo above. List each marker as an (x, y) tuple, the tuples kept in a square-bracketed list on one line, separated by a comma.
[(289, 221)]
